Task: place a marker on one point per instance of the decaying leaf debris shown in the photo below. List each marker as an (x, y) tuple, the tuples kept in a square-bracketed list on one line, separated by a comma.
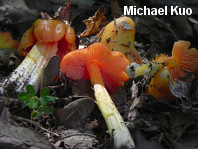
[(96, 23)]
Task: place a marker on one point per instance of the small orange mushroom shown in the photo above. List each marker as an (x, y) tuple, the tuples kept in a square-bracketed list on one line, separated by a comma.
[(182, 61), (7, 42), (44, 40), (47, 31), (167, 69), (105, 69), (111, 65)]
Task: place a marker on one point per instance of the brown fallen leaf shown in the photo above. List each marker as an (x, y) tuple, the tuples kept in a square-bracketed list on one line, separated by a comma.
[(180, 89), (91, 125), (12, 135), (95, 23), (63, 12), (75, 114), (71, 138)]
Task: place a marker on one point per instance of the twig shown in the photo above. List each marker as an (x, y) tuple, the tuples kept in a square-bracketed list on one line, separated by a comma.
[(116, 27), (34, 123), (147, 52), (77, 134)]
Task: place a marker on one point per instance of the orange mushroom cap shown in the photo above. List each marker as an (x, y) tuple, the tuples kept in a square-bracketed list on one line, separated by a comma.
[(111, 64), (7, 42), (27, 40), (183, 60), (49, 31)]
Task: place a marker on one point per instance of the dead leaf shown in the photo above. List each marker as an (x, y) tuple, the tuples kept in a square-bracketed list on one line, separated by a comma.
[(14, 136), (6, 55), (180, 121), (76, 139), (82, 88), (19, 12), (91, 125), (94, 24), (152, 105), (64, 11), (50, 71), (143, 143), (179, 89), (75, 114)]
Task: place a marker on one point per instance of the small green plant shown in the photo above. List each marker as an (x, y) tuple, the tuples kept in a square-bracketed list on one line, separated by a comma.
[(39, 105)]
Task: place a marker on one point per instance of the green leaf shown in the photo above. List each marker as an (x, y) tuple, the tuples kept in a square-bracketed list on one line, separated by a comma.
[(24, 96), (30, 89), (49, 109), (43, 101), (33, 104), (26, 102), (49, 99), (41, 109), (45, 92), (35, 114)]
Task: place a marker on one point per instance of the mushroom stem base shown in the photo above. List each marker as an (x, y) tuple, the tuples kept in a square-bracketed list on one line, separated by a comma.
[(114, 121), (29, 71)]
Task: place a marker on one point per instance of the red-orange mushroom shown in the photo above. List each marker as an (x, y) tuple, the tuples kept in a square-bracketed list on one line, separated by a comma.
[(167, 69), (105, 68), (45, 39), (182, 61), (111, 65), (47, 31)]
